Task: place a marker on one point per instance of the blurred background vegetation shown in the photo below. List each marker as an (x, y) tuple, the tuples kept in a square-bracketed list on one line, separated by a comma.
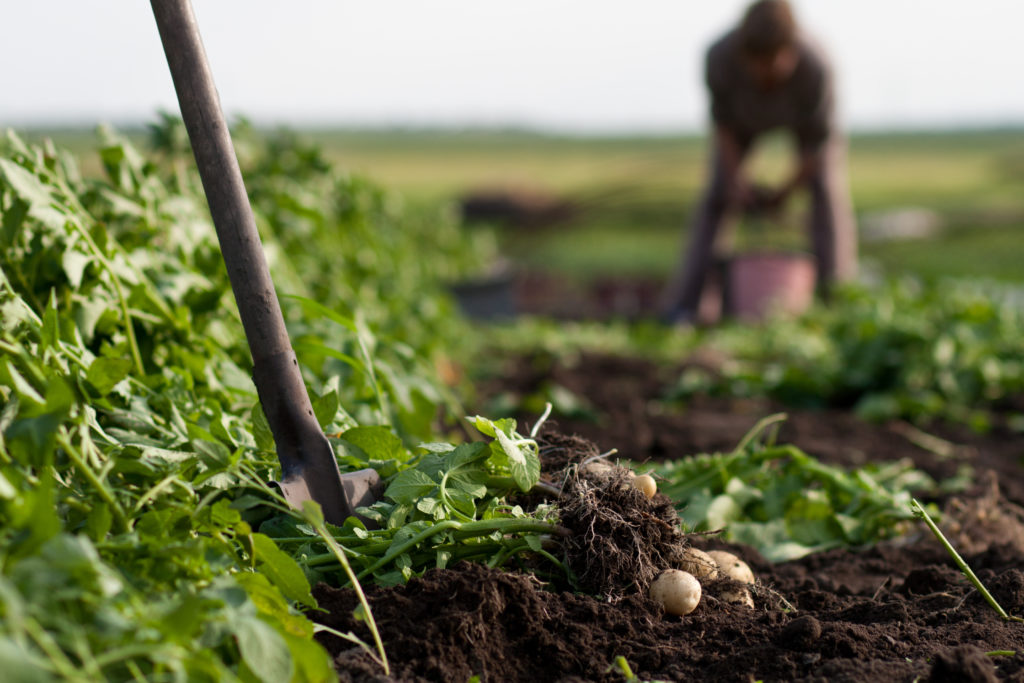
[(929, 204)]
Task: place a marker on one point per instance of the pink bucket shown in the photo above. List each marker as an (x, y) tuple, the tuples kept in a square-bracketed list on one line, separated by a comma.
[(763, 283)]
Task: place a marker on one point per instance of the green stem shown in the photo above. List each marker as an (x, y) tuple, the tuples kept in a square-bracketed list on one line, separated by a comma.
[(541, 421), (463, 531), (923, 514), (364, 551), (135, 671), (509, 525), (234, 552), (120, 519), (507, 552), (348, 541), (129, 325), (153, 492), (123, 653), (64, 666), (758, 428), (354, 580), (394, 551)]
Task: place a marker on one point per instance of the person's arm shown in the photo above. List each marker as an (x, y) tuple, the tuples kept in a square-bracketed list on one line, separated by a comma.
[(731, 155), (813, 126), (721, 79), (807, 166)]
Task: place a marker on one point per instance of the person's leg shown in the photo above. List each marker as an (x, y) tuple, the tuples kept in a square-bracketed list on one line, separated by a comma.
[(682, 296), (832, 224)]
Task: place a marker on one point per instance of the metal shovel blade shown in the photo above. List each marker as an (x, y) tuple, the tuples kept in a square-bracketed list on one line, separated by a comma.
[(359, 489)]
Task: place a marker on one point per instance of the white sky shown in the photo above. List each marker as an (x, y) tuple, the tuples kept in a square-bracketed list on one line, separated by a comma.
[(586, 65)]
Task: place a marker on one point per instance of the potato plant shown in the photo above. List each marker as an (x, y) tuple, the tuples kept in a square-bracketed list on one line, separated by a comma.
[(787, 503), (133, 455), (904, 349)]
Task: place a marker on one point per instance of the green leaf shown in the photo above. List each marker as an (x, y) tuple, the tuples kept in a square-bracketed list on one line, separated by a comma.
[(428, 505), (261, 429), (263, 650), (722, 511), (470, 483), (50, 333), (312, 663), (398, 515), (21, 665), (98, 522), (408, 486), (442, 559), (7, 490), (468, 453), (463, 502), (31, 437), (21, 385), (272, 605), (215, 454), (492, 427), (283, 571), (524, 466), (74, 264), (326, 408), (26, 185), (13, 218), (378, 443), (439, 448), (104, 373)]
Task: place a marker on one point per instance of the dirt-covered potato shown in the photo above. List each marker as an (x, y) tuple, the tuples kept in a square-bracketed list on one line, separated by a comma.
[(737, 596), (699, 563), (732, 566), (646, 484), (598, 467), (678, 592)]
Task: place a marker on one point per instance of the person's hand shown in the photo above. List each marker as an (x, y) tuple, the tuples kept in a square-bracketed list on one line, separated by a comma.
[(742, 193), (768, 200)]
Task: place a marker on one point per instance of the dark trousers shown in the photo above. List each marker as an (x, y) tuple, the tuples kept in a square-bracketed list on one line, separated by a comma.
[(833, 231)]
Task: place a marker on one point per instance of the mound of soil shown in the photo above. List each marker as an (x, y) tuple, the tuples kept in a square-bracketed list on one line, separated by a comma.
[(898, 611)]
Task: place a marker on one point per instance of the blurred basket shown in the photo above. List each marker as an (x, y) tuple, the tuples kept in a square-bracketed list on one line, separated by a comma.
[(762, 283), (488, 297)]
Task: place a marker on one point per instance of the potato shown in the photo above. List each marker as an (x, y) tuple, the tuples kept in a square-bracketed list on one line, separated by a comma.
[(598, 467), (732, 566), (678, 592), (646, 484), (737, 596), (699, 563)]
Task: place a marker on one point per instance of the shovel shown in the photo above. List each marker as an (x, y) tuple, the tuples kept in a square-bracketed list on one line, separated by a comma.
[(308, 468)]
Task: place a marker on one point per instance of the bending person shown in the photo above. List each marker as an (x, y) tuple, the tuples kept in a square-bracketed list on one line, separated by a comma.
[(762, 76)]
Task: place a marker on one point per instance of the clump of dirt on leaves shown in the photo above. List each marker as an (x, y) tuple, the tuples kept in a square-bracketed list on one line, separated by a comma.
[(619, 539)]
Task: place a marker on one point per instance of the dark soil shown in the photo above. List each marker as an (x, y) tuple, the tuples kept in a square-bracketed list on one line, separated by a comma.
[(899, 611)]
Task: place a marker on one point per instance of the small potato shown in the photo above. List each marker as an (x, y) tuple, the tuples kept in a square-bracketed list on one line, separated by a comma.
[(732, 566), (699, 563), (678, 592), (739, 596), (646, 484), (598, 467)]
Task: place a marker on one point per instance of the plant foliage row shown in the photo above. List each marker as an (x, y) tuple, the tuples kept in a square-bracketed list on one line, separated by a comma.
[(133, 455)]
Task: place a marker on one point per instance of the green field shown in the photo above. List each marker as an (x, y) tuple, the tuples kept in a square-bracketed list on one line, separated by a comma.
[(634, 193)]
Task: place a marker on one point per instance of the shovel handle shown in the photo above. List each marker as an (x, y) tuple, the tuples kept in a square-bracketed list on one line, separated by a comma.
[(302, 448), (222, 179)]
